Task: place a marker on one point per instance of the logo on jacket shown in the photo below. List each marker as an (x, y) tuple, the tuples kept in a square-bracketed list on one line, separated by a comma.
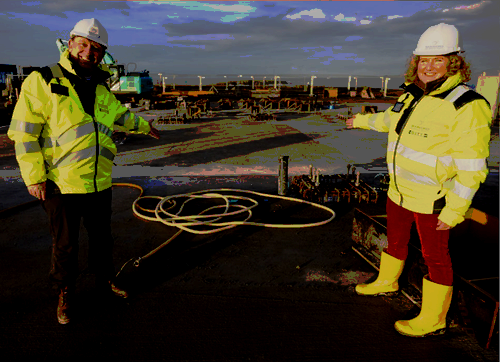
[(420, 134)]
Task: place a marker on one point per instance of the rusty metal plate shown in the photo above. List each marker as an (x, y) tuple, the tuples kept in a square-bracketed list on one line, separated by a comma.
[(475, 303), (369, 233)]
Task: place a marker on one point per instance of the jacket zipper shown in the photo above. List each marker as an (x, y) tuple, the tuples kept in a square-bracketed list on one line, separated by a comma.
[(97, 152), (396, 148), (73, 83)]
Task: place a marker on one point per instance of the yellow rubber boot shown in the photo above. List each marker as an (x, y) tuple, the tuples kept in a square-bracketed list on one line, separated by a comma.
[(387, 280), (436, 299)]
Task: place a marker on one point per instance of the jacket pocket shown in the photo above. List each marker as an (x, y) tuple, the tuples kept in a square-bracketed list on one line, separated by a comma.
[(439, 205)]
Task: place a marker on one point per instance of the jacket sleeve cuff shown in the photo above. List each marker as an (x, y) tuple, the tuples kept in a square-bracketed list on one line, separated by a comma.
[(145, 127), (32, 169), (450, 217), (360, 121), (29, 183), (33, 178), (141, 126)]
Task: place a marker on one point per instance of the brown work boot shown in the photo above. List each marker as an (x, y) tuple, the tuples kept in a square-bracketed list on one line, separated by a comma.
[(63, 306)]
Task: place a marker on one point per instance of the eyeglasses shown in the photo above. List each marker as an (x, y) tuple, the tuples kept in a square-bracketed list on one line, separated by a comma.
[(85, 42)]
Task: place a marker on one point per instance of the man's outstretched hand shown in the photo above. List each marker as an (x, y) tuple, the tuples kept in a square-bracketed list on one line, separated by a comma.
[(154, 132)]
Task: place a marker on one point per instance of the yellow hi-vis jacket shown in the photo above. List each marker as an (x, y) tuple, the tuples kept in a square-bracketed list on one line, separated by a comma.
[(438, 159), (56, 135)]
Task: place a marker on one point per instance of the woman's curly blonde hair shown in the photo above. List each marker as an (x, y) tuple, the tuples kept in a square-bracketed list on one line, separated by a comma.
[(456, 64)]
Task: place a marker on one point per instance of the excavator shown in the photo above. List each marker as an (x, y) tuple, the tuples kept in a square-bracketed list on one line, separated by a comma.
[(133, 87)]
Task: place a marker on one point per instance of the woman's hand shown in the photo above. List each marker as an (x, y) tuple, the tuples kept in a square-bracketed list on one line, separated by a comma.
[(350, 123), (442, 226)]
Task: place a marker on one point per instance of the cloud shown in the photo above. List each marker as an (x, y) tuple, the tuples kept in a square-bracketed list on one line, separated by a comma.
[(184, 37), (354, 37), (314, 13), (343, 56), (207, 6), (61, 8), (199, 37), (129, 27), (239, 11), (236, 8), (340, 17)]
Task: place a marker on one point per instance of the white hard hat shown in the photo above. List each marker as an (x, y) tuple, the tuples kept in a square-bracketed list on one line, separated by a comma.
[(439, 39), (91, 29)]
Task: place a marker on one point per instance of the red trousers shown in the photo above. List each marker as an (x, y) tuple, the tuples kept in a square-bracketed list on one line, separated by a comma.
[(434, 242)]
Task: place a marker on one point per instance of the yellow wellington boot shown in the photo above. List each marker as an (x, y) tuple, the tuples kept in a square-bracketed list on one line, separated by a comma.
[(436, 299), (387, 280)]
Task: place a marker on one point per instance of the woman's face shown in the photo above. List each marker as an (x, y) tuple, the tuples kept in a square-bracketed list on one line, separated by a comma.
[(431, 68)]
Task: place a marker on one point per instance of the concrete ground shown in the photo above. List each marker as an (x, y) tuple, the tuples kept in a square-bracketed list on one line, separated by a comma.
[(248, 293)]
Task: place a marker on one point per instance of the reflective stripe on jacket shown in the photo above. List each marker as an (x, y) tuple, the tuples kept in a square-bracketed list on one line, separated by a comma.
[(56, 136), (440, 153)]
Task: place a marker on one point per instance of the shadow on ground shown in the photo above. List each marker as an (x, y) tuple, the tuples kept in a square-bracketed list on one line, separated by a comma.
[(229, 151)]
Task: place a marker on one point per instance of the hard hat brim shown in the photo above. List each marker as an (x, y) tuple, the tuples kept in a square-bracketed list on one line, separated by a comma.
[(76, 33), (430, 53)]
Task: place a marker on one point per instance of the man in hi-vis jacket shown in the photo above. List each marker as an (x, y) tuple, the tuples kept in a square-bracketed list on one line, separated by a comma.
[(62, 126)]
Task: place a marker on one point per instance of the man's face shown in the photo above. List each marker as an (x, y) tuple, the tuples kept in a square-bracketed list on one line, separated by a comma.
[(86, 52), (431, 68)]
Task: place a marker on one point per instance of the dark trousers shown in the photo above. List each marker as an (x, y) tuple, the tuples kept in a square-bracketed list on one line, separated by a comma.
[(65, 212), (434, 242)]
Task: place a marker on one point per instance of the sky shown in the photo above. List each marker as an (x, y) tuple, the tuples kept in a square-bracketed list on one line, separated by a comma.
[(295, 40)]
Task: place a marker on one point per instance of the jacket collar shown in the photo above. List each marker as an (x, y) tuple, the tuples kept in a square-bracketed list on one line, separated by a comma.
[(449, 83), (413, 89), (430, 86), (100, 75)]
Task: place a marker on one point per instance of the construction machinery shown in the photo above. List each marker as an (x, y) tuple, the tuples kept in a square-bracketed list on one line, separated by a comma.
[(10, 85), (131, 87)]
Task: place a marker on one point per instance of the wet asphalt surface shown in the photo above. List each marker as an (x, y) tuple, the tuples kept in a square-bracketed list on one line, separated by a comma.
[(245, 294)]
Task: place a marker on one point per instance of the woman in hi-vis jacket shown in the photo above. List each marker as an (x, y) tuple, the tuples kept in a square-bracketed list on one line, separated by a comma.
[(438, 142)]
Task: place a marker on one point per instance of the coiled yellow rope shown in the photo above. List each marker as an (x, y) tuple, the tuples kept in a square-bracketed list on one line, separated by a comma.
[(184, 222)]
